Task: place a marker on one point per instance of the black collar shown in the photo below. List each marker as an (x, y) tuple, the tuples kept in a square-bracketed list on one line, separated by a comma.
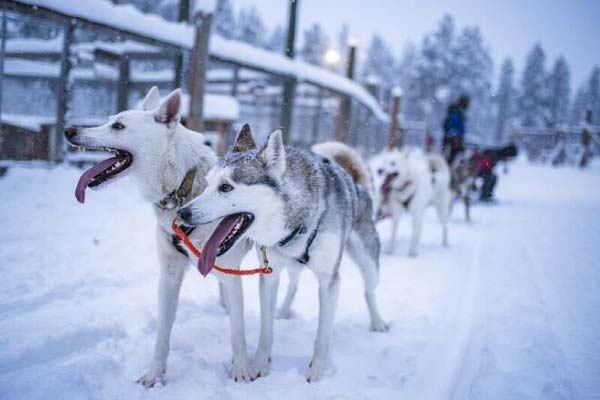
[(301, 230), (406, 203)]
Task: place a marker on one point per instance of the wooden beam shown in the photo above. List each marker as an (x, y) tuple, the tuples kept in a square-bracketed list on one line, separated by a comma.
[(123, 85), (342, 122), (393, 130), (198, 66), (289, 84), (183, 16), (55, 147), (2, 50)]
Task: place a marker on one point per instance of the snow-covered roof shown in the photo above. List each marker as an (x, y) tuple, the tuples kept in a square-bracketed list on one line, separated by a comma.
[(216, 107), (34, 45), (128, 18)]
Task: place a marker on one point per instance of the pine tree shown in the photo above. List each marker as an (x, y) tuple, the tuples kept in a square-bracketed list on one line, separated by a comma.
[(559, 86), (251, 28), (276, 42), (578, 107), (224, 21), (505, 97), (533, 100), (342, 42), (314, 45), (380, 62), (449, 66), (593, 95)]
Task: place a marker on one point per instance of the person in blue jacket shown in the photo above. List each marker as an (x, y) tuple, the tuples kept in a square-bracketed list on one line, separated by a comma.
[(454, 129)]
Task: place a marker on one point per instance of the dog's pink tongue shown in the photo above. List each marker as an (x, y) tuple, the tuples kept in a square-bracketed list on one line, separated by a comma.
[(88, 177), (209, 254)]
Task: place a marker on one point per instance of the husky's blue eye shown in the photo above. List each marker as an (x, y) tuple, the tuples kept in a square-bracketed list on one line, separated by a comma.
[(225, 187), (117, 126)]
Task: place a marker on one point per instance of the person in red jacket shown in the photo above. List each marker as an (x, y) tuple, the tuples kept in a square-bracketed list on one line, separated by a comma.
[(485, 169), (485, 161)]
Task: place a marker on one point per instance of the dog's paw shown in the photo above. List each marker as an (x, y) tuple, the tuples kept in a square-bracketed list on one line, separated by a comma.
[(285, 313), (154, 376), (379, 326), (261, 366), (316, 370), (242, 372)]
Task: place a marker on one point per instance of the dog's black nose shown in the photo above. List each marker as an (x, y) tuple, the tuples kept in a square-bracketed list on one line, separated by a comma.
[(70, 132), (185, 214)]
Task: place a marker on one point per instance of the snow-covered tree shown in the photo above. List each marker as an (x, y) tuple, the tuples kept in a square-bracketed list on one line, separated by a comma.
[(578, 107), (534, 94), (593, 95), (379, 62), (559, 91), (314, 45), (224, 21), (472, 66), (449, 65), (436, 63), (251, 28), (343, 37), (505, 97), (276, 41)]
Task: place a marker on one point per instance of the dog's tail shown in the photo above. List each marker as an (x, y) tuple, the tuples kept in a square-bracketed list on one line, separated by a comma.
[(347, 158)]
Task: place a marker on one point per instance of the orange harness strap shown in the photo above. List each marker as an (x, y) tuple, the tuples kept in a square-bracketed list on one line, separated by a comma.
[(229, 271)]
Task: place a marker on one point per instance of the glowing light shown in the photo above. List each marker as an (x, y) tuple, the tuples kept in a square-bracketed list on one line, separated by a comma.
[(332, 57)]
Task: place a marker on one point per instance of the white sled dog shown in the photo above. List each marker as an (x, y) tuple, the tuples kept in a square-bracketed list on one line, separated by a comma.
[(302, 211), (169, 163), (408, 181)]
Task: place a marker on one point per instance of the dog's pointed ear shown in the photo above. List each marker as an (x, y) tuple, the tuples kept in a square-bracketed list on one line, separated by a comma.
[(170, 110), (274, 153), (244, 140), (152, 99)]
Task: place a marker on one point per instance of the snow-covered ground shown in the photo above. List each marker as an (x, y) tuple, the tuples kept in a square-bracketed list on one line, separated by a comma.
[(510, 311)]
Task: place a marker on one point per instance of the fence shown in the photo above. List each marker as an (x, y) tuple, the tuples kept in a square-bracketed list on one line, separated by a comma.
[(94, 66)]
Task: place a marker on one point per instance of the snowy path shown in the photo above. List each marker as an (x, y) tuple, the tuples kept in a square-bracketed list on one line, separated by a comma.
[(511, 310)]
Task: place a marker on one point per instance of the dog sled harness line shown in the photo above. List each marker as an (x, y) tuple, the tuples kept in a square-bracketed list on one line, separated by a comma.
[(229, 271), (179, 196)]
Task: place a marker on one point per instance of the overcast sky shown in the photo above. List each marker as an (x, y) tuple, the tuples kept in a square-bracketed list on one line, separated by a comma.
[(510, 27)]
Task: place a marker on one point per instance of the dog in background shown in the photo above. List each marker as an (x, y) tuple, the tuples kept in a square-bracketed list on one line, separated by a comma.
[(408, 181)]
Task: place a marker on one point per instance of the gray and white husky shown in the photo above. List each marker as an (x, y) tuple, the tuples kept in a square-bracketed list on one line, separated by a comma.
[(158, 152), (408, 181), (302, 211)]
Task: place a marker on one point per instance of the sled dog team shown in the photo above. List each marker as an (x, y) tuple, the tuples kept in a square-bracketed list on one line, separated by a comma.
[(300, 209)]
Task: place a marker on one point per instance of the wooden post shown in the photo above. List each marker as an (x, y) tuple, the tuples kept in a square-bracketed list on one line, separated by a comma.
[(235, 81), (198, 66), (394, 115), (2, 50), (289, 84), (55, 141), (342, 123), (317, 115), (184, 16), (123, 89)]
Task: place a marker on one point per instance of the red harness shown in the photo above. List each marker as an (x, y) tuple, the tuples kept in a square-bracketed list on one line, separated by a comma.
[(229, 271)]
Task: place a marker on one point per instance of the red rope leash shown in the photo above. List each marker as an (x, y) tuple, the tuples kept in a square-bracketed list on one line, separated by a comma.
[(196, 252)]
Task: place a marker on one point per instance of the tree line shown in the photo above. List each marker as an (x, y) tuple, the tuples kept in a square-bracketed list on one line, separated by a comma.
[(447, 63)]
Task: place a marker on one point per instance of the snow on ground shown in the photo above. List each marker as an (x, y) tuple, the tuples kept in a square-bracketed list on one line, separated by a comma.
[(510, 310)]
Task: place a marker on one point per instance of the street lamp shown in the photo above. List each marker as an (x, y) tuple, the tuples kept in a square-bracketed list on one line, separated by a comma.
[(332, 58)]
